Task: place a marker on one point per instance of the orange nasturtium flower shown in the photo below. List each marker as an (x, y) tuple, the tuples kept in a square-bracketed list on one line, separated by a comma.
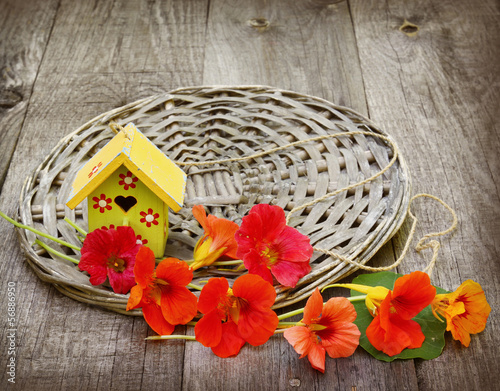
[(465, 310), (327, 328), (162, 293), (235, 316), (392, 329), (217, 240)]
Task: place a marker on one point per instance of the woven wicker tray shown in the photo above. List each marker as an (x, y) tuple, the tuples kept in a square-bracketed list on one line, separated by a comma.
[(213, 123)]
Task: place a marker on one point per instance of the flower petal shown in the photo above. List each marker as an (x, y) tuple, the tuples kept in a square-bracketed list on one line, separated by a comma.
[(144, 266), (316, 357), (178, 304), (300, 338), (337, 309), (174, 271), (135, 298), (257, 326), (294, 246), (289, 273), (274, 218), (222, 232), (342, 341), (211, 294), (208, 329), (201, 216), (253, 263), (122, 282), (391, 334), (155, 320), (230, 343), (313, 308), (255, 290), (249, 235), (412, 293)]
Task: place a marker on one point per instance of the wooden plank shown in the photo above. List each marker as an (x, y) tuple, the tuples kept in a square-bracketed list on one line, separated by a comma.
[(100, 55), (433, 84), (307, 47), (24, 32)]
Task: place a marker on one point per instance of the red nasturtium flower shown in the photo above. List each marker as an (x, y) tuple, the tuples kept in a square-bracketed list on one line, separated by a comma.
[(110, 253), (393, 329), (162, 292), (217, 240), (235, 316), (326, 328), (465, 310), (269, 247)]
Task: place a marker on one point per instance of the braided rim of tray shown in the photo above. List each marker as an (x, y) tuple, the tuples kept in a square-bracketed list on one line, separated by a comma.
[(356, 186)]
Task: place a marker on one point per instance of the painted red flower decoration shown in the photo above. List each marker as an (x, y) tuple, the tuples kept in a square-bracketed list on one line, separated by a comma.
[(140, 240), (217, 240), (326, 328), (103, 203), (235, 316), (128, 180), (110, 254), (149, 217), (162, 292), (393, 329), (268, 247)]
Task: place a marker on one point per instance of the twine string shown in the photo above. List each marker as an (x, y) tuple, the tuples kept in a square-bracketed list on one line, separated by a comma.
[(422, 244)]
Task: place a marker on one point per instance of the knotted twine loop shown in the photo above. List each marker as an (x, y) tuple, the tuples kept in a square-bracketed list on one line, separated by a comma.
[(421, 245), (115, 127)]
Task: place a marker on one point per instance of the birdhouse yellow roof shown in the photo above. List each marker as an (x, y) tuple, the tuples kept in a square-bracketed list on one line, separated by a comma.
[(131, 148)]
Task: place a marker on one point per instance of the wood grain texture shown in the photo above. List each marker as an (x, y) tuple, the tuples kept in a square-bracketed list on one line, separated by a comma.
[(25, 31), (433, 87), (437, 93), (100, 55)]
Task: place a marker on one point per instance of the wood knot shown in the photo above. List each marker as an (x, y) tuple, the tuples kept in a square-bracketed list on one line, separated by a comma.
[(10, 98), (259, 23), (409, 28)]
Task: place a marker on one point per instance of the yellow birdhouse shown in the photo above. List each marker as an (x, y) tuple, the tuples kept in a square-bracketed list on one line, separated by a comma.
[(130, 182)]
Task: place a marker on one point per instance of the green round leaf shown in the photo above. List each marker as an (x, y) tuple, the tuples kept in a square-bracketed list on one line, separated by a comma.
[(432, 328)]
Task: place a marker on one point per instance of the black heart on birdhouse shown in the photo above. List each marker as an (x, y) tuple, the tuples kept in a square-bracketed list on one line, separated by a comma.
[(125, 203)]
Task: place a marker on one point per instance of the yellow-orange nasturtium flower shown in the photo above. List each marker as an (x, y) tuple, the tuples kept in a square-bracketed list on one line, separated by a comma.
[(217, 240), (465, 310)]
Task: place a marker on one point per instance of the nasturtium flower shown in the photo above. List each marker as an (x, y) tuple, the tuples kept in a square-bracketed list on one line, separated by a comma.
[(217, 240), (326, 328), (233, 316), (268, 247), (110, 253), (162, 292), (393, 329), (465, 310)]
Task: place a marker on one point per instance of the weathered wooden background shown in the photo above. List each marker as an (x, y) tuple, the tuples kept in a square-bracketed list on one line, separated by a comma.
[(427, 72)]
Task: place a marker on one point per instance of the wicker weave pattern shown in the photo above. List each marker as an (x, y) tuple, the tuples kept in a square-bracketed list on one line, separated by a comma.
[(213, 123)]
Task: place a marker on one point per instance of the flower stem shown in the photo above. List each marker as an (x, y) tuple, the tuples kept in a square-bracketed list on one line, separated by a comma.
[(73, 224), (197, 287), (290, 314), (34, 230), (357, 298), (287, 325), (55, 252), (186, 337), (228, 263)]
